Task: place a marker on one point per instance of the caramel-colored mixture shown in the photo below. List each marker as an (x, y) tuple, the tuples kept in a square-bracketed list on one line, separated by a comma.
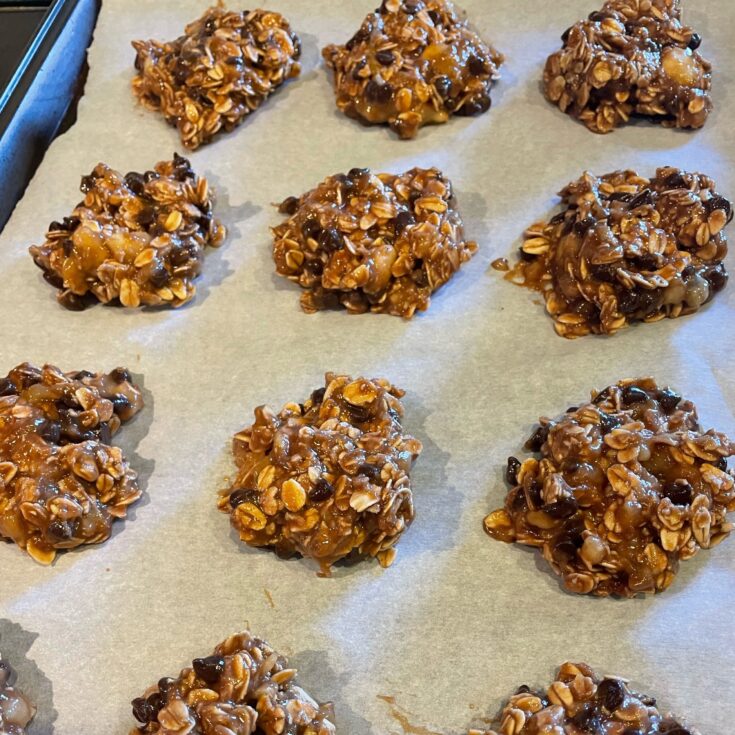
[(625, 248), (243, 688), (580, 703), (412, 63), (372, 242), (326, 478), (137, 239), (633, 57), (627, 486), (16, 711), (220, 71), (62, 483)]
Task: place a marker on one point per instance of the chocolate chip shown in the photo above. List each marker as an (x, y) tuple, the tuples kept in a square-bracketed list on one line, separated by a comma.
[(668, 399), (72, 301), (476, 66), (721, 464), (533, 494), (523, 689), (639, 301), (210, 668), (310, 228), (358, 173), (243, 495), (475, 106), (378, 92), (317, 396), (537, 439), (581, 227), (609, 421), (51, 431), (643, 199), (599, 16), (443, 87), (562, 508), (675, 180), (718, 202), (717, 277), (164, 685), (289, 205), (620, 196), (372, 471), (88, 183), (158, 275), (104, 433), (511, 471), (403, 219), (695, 42), (385, 57), (588, 719), (60, 530), (564, 550), (565, 35), (633, 394), (134, 181), (141, 710), (680, 492), (411, 7), (330, 240), (362, 35), (7, 387), (435, 17), (611, 694), (322, 490), (120, 375)]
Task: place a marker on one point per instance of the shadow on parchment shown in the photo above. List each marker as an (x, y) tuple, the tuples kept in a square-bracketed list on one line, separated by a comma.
[(318, 678), (15, 643)]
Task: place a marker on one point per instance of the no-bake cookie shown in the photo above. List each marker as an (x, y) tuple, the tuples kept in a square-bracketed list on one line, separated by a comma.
[(626, 487), (625, 248), (578, 702), (632, 57), (16, 711), (135, 239), (327, 478), (220, 71), (412, 63), (62, 483), (372, 242), (243, 688)]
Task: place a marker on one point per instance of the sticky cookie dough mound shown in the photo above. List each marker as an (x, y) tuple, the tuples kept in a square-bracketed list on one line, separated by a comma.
[(625, 248), (220, 71), (633, 57), (243, 688), (372, 242), (412, 63), (16, 711), (578, 701), (627, 486), (62, 484), (326, 478), (136, 239)]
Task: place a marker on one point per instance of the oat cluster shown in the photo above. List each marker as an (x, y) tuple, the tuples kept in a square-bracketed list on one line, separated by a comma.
[(135, 239), (243, 688), (327, 478), (579, 702), (625, 248), (633, 57), (62, 483), (220, 71), (372, 242), (16, 711), (627, 486), (412, 63)]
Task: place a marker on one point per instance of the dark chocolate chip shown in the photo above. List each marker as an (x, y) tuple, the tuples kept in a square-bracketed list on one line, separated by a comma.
[(164, 685), (243, 495), (668, 399), (317, 396), (135, 182), (722, 464), (289, 205), (322, 490), (588, 719), (435, 17), (620, 196), (564, 550), (718, 202), (475, 106), (210, 668), (142, 711), (717, 277), (511, 471), (632, 394), (158, 275), (680, 492), (330, 240), (537, 439), (120, 375), (611, 694), (642, 199), (609, 421), (562, 508), (310, 228), (385, 57), (675, 180), (372, 471), (476, 66), (582, 226), (639, 301), (51, 431), (523, 689), (7, 387), (565, 35), (378, 92), (72, 301), (60, 530), (443, 86), (695, 42), (404, 219), (88, 183)]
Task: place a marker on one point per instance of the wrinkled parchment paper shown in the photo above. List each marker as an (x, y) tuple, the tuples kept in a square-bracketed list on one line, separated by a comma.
[(459, 620)]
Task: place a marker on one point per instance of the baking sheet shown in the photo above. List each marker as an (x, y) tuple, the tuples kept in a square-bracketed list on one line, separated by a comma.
[(459, 620)]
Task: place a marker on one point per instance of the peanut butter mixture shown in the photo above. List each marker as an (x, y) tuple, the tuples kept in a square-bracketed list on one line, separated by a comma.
[(633, 57), (579, 702), (626, 487), (62, 483), (135, 239), (327, 478), (413, 63), (243, 688), (626, 248), (220, 71), (372, 242)]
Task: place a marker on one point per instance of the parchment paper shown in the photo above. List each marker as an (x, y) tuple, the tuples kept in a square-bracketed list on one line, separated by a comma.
[(459, 620)]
